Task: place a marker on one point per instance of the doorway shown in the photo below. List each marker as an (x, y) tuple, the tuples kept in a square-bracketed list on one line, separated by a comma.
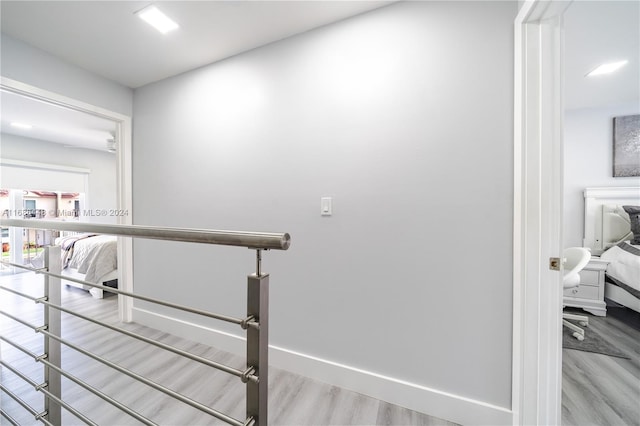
[(120, 136), (538, 212), (597, 33)]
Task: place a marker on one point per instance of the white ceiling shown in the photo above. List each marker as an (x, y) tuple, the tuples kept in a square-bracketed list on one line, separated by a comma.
[(54, 123), (105, 37), (598, 32)]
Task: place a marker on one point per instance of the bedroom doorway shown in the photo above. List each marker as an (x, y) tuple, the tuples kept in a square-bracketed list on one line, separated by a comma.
[(598, 33), (118, 142), (539, 203)]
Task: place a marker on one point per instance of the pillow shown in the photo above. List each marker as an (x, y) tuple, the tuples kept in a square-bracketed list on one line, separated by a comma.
[(634, 215)]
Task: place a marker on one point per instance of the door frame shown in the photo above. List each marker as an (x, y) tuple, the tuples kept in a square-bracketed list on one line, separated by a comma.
[(538, 199), (123, 174)]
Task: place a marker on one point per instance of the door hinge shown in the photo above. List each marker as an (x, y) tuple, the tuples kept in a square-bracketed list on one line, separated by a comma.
[(554, 263)]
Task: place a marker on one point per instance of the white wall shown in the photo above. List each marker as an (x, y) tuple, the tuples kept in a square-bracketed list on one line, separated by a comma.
[(588, 161), (102, 179), (27, 64), (402, 115)]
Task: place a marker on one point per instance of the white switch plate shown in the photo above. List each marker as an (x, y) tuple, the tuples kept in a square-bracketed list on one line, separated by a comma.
[(326, 208)]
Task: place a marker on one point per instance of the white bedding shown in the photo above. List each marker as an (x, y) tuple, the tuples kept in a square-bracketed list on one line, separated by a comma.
[(624, 264), (91, 258), (95, 257)]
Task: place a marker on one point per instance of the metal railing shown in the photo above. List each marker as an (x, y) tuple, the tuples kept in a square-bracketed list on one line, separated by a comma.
[(256, 324)]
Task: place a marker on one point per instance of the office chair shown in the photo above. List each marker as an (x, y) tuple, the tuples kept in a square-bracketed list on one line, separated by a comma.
[(575, 259)]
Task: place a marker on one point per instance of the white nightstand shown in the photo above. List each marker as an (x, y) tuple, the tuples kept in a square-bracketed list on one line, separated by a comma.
[(589, 295)]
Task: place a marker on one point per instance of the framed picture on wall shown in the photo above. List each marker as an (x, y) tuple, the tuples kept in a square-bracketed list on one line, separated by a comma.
[(626, 146)]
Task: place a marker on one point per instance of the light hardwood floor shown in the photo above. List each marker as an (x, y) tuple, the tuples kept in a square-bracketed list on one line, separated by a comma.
[(599, 389), (293, 400)]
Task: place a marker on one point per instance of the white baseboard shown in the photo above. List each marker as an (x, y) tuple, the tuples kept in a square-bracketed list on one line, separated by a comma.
[(416, 397)]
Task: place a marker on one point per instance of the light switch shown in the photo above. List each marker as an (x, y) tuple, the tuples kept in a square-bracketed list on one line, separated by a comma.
[(325, 206)]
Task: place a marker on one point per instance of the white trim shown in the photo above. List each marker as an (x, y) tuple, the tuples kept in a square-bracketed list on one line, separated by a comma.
[(537, 292), (42, 166), (620, 192), (46, 96), (123, 173), (125, 202), (516, 351), (457, 408)]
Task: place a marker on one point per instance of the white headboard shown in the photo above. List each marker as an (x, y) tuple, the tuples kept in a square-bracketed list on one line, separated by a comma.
[(605, 222), (69, 233)]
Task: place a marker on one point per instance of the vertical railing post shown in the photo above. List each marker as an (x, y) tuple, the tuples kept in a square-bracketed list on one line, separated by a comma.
[(52, 292), (258, 345)]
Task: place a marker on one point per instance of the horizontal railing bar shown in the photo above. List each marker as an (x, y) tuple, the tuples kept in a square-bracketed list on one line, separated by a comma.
[(51, 396), (79, 382), (16, 319), (167, 391), (19, 374), (220, 317), (19, 347), (142, 379), (24, 405), (232, 238), (16, 292), (205, 361), (150, 383), (100, 394), (256, 240), (222, 367), (11, 420), (68, 407), (17, 265)]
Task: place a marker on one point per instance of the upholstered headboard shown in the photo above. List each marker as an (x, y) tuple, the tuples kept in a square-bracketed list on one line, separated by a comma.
[(605, 221)]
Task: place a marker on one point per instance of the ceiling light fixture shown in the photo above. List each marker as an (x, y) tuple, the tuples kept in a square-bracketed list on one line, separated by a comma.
[(23, 126), (607, 68), (154, 17)]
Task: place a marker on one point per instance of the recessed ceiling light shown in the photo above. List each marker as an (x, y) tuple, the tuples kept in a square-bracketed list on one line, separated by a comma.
[(24, 126), (154, 17), (607, 68)]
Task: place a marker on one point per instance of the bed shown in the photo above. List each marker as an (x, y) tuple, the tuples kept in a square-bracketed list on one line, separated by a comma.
[(89, 257), (612, 232)]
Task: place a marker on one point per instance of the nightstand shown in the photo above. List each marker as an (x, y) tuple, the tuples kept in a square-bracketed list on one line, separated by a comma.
[(589, 295)]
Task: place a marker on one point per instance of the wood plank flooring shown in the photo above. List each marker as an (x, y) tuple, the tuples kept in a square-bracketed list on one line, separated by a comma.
[(599, 389), (293, 399)]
